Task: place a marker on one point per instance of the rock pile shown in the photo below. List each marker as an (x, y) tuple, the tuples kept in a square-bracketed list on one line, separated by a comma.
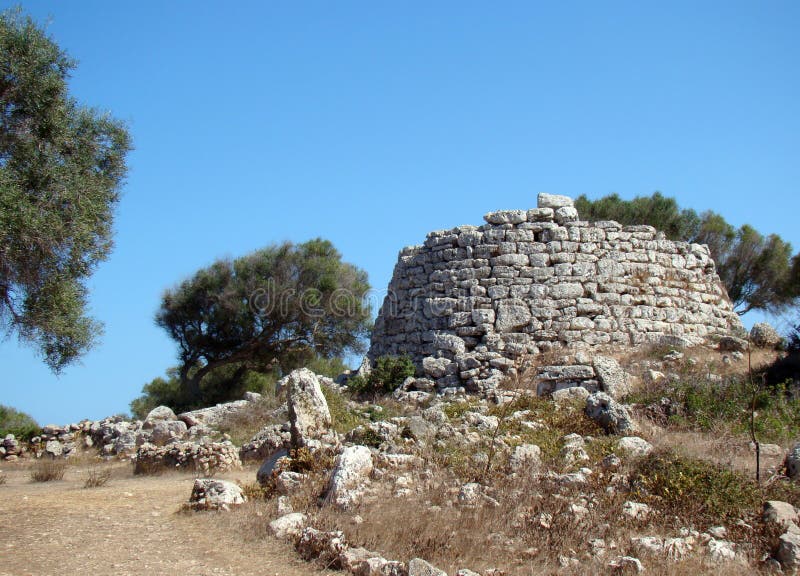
[(204, 456), (472, 300)]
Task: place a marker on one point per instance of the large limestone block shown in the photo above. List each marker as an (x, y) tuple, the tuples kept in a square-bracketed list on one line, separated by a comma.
[(309, 416)]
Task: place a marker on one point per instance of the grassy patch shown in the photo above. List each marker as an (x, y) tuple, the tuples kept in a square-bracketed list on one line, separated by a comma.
[(693, 489), (344, 418), (554, 421), (48, 470), (712, 406)]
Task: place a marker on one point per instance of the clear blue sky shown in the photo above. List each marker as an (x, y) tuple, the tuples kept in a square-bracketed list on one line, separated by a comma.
[(373, 123)]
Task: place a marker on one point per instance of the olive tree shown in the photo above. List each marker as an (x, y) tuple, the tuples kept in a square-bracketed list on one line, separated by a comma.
[(61, 168), (275, 307)]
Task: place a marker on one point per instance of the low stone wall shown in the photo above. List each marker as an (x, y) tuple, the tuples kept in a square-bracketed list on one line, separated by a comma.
[(471, 301)]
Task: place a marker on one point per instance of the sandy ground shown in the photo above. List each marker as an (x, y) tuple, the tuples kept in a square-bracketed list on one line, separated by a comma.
[(132, 525)]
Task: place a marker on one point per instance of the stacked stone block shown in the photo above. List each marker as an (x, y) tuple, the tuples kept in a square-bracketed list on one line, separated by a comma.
[(473, 300)]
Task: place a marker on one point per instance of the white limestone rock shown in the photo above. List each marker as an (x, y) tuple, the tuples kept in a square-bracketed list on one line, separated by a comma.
[(350, 475), (213, 494), (309, 416)]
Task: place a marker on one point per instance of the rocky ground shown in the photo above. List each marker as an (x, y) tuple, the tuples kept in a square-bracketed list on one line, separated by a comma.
[(638, 462)]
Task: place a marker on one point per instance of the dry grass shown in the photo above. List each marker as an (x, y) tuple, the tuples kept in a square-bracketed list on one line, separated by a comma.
[(97, 477), (244, 424), (48, 470)]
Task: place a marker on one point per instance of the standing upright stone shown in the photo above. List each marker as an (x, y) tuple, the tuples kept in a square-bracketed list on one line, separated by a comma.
[(309, 416)]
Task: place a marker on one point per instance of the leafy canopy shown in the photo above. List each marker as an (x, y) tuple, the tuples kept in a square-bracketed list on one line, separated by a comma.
[(758, 271), (61, 167), (20, 424), (279, 306)]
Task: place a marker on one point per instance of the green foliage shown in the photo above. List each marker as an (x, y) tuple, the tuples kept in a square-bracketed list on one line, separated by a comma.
[(61, 167), (20, 424), (224, 384), (758, 271), (387, 374), (691, 488), (709, 406), (557, 420), (280, 306), (343, 417)]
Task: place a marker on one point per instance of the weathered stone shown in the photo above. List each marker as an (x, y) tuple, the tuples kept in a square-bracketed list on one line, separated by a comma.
[(288, 526), (553, 201), (634, 446), (164, 431), (419, 567), (326, 547), (309, 416), (792, 462), (213, 494), (350, 474), (526, 458), (609, 414), (511, 316), (611, 376), (157, 414), (626, 565), (788, 552), (781, 513)]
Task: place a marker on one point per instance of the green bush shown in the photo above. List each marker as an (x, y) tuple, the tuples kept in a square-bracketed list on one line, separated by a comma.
[(707, 406), (20, 424), (693, 489), (388, 373)]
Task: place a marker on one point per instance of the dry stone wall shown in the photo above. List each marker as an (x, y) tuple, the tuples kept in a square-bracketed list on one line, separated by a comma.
[(472, 300)]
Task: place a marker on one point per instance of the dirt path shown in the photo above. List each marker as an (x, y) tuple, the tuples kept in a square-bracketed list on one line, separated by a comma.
[(133, 525)]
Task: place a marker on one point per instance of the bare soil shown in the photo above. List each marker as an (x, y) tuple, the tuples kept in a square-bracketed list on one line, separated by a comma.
[(132, 525)]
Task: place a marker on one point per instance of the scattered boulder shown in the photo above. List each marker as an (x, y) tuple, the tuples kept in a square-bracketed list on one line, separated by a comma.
[(612, 378), (265, 443), (166, 431), (419, 567), (309, 416), (212, 494), (350, 474), (781, 513), (158, 414), (721, 551), (634, 446), (788, 551), (288, 526), (635, 510), (626, 565), (792, 462), (526, 457), (731, 344), (612, 416), (569, 394)]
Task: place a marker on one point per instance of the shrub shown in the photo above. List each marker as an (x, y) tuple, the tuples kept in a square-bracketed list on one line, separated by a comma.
[(388, 373), (20, 424), (48, 470), (343, 418), (3, 479), (97, 477), (693, 489)]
